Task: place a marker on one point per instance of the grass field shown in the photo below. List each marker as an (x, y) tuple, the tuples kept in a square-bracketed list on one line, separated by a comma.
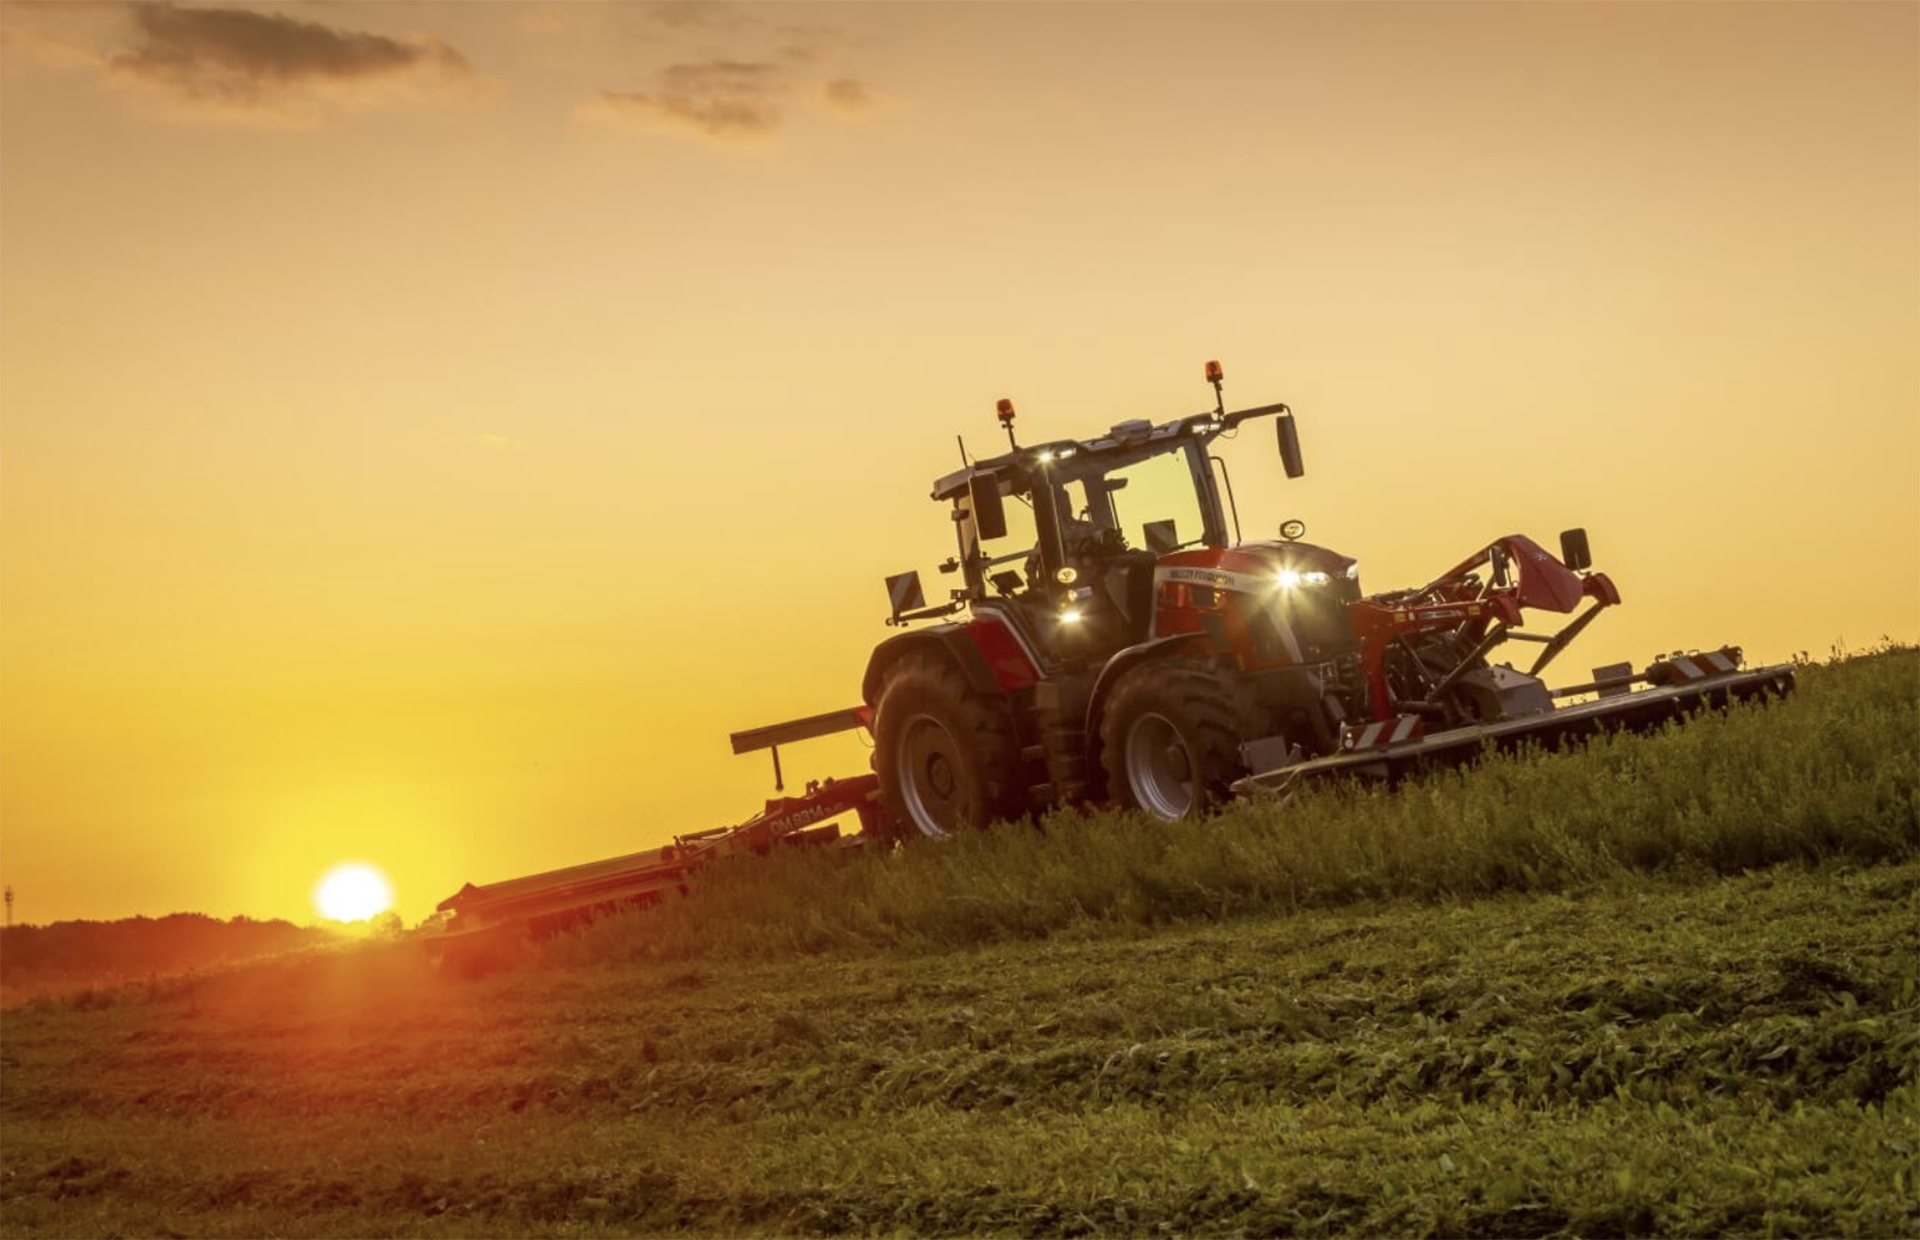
[(1663, 986)]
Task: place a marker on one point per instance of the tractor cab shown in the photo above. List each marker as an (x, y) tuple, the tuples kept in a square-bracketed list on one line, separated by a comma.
[(1064, 537), (1103, 580), (1063, 541)]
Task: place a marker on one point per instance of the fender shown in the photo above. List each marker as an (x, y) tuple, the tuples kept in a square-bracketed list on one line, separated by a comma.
[(951, 641), (1119, 665)]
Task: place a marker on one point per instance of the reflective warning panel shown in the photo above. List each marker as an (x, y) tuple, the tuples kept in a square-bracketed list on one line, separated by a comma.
[(904, 593)]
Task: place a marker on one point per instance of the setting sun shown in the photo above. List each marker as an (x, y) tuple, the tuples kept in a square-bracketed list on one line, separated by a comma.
[(352, 892)]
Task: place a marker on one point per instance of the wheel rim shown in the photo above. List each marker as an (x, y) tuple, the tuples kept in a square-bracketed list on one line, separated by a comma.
[(1159, 767), (931, 777)]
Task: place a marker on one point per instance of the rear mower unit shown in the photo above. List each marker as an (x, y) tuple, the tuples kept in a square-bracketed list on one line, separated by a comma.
[(557, 899)]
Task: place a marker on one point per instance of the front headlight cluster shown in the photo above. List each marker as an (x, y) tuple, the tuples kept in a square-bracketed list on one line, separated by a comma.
[(1073, 601), (1288, 579)]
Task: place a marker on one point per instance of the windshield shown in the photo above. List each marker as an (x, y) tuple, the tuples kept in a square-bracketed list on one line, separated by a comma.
[(1154, 503), (1021, 536), (1104, 503)]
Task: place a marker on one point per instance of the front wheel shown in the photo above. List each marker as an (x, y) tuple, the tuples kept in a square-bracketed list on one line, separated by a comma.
[(1170, 738)]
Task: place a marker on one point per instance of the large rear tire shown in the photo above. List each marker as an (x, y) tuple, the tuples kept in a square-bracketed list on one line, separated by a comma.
[(1170, 738), (945, 752)]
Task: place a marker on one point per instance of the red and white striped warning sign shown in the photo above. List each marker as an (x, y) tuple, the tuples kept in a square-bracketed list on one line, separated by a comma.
[(903, 591), (1381, 733)]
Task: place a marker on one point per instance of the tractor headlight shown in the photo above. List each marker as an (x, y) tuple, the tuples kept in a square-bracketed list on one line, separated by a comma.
[(1314, 579), (1286, 579), (1070, 616), (1353, 571)]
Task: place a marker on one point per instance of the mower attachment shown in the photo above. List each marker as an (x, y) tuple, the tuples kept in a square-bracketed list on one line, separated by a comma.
[(542, 903), (775, 735), (1681, 683), (549, 901)]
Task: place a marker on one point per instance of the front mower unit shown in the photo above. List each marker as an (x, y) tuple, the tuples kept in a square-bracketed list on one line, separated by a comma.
[(1683, 684)]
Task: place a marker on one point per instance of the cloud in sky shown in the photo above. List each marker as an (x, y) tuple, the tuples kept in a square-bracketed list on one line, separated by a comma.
[(727, 73), (237, 57), (749, 73), (805, 44), (725, 99), (849, 95)]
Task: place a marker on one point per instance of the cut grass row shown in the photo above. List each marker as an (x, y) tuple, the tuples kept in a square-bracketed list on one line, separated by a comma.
[(1833, 771), (1687, 1055), (1565, 1006), (1666, 985)]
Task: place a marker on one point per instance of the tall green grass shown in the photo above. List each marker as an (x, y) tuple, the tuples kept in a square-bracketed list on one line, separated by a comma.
[(1833, 771)]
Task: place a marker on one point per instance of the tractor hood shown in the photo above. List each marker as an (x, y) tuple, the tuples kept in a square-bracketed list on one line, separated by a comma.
[(1276, 604), (1263, 567)]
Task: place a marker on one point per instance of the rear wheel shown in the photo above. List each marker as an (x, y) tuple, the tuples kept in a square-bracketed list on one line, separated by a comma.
[(1170, 738), (944, 752)]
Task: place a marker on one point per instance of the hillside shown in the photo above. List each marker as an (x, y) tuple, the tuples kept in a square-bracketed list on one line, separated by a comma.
[(1665, 985), (72, 955)]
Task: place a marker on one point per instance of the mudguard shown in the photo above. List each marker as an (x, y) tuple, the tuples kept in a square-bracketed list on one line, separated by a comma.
[(1119, 665), (949, 640)]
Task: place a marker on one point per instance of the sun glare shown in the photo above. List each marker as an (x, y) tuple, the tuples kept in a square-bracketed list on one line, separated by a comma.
[(352, 892)]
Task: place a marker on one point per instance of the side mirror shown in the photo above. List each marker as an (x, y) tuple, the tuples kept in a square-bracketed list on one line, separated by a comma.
[(1290, 446), (1574, 552), (983, 499)]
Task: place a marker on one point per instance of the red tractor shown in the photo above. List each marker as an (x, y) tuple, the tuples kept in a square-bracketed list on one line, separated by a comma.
[(1121, 642)]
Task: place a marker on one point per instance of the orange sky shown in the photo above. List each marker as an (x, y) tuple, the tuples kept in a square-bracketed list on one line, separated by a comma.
[(427, 430)]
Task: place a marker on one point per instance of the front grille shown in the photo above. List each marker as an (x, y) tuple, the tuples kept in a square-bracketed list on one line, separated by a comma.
[(1320, 619)]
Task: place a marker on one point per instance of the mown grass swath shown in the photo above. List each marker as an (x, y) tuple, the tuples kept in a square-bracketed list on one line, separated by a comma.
[(1662, 986), (1680, 1056), (1833, 771)]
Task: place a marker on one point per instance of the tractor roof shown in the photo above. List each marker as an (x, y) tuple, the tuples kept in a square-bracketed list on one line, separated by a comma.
[(1124, 441)]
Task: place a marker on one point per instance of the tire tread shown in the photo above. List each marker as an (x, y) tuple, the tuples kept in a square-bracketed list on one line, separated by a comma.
[(1212, 706), (982, 721)]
